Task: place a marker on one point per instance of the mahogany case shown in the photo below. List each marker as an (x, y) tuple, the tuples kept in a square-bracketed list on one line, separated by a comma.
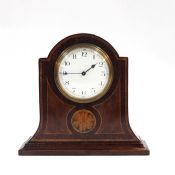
[(110, 135)]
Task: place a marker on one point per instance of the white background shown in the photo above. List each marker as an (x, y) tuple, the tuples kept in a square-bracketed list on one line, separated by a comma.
[(143, 30)]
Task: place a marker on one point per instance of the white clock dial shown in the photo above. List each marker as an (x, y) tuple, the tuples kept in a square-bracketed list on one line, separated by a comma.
[(83, 72)]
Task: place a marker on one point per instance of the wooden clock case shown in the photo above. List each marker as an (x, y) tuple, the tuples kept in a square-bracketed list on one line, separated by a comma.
[(111, 135)]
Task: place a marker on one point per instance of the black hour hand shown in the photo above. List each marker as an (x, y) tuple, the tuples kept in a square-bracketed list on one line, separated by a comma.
[(92, 66)]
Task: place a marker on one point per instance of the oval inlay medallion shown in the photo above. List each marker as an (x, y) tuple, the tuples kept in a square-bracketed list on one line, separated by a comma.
[(83, 121)]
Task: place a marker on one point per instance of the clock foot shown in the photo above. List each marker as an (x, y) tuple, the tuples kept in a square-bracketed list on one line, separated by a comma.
[(84, 148)]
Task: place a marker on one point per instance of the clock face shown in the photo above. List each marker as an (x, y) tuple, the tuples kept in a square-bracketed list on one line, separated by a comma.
[(83, 73)]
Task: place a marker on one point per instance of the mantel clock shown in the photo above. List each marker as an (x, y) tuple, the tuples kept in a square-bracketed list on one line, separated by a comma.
[(83, 89)]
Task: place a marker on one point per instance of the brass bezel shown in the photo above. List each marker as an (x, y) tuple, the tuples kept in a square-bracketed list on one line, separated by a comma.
[(61, 88)]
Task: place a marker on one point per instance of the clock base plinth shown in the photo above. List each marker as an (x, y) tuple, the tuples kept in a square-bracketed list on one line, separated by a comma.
[(84, 148)]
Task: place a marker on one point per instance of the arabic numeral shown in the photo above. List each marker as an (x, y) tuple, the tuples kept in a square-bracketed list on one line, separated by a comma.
[(83, 92), (93, 90), (64, 73), (103, 73), (66, 83), (67, 63), (74, 56), (101, 64), (84, 54), (73, 90)]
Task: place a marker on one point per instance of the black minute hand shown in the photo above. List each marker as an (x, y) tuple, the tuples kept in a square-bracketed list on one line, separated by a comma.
[(65, 73)]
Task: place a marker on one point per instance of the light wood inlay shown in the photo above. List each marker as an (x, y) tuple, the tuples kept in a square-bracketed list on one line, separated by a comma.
[(83, 121)]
